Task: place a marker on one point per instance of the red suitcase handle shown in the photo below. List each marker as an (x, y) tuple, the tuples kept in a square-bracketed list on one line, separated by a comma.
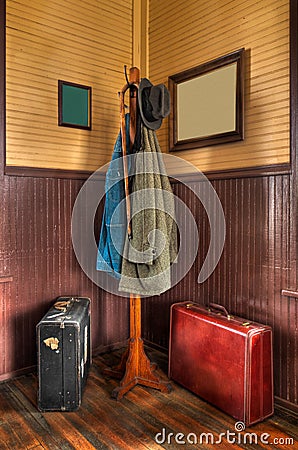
[(220, 307), (214, 306)]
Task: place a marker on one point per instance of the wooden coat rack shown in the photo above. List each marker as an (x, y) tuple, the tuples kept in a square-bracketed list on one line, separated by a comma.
[(135, 367)]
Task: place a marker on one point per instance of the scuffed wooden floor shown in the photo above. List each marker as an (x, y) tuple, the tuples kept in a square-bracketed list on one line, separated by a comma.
[(131, 423)]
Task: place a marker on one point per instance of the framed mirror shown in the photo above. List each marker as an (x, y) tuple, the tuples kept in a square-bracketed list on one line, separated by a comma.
[(207, 103)]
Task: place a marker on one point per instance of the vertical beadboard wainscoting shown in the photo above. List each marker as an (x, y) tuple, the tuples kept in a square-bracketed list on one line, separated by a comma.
[(37, 264), (258, 261)]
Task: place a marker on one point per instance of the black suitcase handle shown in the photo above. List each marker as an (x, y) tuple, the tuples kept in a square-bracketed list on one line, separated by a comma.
[(62, 305)]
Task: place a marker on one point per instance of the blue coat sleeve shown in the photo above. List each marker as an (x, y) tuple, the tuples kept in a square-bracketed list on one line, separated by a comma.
[(113, 227)]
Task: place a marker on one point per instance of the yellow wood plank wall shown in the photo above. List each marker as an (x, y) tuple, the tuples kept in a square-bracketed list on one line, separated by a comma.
[(86, 42), (184, 34)]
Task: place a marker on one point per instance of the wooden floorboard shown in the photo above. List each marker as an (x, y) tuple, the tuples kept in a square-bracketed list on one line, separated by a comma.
[(131, 423)]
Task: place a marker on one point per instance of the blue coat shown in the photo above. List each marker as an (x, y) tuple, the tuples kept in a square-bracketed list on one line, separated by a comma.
[(114, 221)]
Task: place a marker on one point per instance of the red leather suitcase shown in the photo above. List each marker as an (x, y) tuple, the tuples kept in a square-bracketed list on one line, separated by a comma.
[(223, 359)]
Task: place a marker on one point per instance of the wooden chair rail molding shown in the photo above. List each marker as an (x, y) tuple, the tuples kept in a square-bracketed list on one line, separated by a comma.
[(289, 293), (6, 279)]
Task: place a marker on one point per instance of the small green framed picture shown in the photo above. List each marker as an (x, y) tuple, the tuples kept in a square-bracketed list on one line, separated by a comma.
[(74, 105)]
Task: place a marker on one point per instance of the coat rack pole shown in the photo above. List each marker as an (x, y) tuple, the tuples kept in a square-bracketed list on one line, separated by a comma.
[(135, 367)]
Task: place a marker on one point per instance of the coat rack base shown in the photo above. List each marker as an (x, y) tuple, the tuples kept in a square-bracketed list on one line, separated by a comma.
[(136, 368)]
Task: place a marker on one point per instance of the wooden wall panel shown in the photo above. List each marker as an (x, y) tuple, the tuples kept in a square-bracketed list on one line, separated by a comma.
[(181, 37), (258, 261), (2, 88), (38, 262), (85, 42), (259, 257)]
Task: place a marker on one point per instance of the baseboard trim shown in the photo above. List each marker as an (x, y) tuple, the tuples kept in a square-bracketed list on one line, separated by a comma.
[(285, 407), (30, 369), (109, 348), (17, 373), (282, 406), (155, 346)]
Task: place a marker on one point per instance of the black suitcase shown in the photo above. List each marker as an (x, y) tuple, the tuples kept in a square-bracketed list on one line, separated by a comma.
[(64, 354)]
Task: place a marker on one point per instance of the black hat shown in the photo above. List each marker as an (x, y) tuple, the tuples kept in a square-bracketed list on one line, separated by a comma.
[(154, 103)]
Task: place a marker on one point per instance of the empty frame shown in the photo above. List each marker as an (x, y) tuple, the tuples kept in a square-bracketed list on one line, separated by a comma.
[(207, 103)]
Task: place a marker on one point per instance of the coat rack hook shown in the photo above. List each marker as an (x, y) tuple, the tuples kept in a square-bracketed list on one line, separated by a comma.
[(125, 73)]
